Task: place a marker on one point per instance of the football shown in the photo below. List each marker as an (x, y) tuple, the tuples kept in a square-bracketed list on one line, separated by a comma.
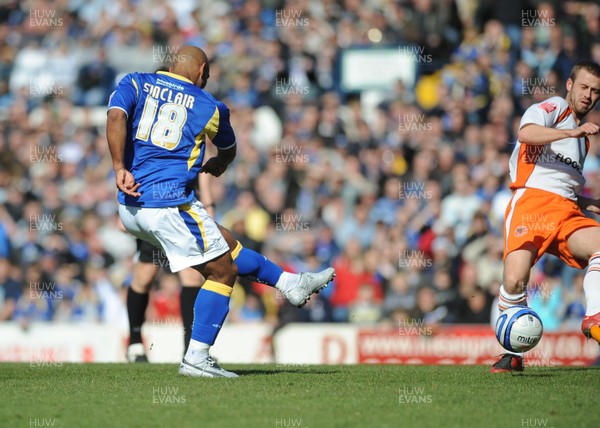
[(519, 329)]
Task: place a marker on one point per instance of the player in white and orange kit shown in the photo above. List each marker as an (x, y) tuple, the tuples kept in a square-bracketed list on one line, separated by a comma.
[(544, 214)]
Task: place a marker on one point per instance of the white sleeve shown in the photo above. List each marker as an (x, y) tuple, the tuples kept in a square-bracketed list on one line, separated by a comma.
[(545, 113)]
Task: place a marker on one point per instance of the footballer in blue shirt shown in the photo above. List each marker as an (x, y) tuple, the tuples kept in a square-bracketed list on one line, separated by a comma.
[(157, 125)]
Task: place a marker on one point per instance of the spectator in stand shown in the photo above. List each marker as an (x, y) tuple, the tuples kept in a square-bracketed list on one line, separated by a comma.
[(352, 272), (10, 291), (164, 302), (399, 295), (476, 308), (365, 309), (427, 310), (95, 81)]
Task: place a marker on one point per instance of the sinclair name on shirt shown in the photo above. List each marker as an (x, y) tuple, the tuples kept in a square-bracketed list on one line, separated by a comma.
[(169, 95)]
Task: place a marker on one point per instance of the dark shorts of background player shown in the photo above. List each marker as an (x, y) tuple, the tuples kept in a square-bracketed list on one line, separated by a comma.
[(148, 253)]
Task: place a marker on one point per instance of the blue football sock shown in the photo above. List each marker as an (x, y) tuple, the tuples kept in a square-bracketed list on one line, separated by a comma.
[(255, 266), (210, 311)]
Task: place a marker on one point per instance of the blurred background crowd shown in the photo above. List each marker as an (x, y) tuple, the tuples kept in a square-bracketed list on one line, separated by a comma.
[(405, 198)]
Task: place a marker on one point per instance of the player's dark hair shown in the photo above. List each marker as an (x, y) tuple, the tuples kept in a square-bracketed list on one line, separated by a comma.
[(589, 66)]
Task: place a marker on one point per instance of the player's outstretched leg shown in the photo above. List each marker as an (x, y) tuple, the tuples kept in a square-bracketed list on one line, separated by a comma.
[(296, 288), (210, 310), (590, 325), (513, 292)]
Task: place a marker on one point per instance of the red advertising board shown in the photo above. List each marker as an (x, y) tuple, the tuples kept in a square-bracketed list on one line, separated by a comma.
[(463, 344)]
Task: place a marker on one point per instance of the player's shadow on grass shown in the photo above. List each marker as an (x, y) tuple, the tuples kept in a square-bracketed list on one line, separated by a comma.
[(573, 369), (243, 372), (553, 371), (534, 374)]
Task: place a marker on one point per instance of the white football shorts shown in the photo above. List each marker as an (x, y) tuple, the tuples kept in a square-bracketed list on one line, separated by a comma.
[(187, 234)]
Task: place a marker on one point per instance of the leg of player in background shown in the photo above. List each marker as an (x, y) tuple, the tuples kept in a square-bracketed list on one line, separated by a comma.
[(137, 302), (513, 292), (191, 281), (584, 244)]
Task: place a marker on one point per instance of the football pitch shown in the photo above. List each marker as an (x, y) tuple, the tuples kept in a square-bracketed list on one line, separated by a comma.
[(154, 395)]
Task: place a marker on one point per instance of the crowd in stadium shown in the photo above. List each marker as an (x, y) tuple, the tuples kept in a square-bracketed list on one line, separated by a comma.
[(410, 218)]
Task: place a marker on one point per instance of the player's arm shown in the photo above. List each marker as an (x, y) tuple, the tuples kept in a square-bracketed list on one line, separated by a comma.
[(206, 196), (121, 104), (223, 138), (589, 204), (116, 134), (534, 134), (218, 164)]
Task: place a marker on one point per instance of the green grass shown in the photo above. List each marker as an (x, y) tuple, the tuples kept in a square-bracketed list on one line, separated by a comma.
[(122, 395)]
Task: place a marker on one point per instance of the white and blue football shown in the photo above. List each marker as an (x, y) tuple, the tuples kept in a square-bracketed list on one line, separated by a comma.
[(519, 329)]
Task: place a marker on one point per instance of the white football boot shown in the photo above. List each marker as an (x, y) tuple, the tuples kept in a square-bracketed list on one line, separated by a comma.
[(136, 353), (207, 368), (308, 283)]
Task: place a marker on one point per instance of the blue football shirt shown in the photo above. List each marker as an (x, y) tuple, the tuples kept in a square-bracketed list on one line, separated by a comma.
[(168, 120)]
